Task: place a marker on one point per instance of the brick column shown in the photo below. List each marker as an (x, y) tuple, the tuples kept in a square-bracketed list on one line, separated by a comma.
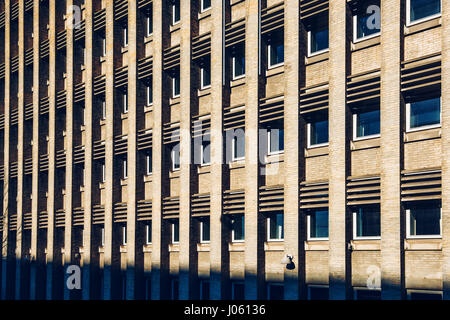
[(187, 257), (392, 264), (293, 239), (8, 264), (68, 197), (160, 258), (20, 148), (88, 237), (218, 249), (254, 236), (339, 258), (446, 148)]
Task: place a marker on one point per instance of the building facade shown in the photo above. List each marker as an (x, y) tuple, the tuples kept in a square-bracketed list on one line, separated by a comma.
[(225, 149)]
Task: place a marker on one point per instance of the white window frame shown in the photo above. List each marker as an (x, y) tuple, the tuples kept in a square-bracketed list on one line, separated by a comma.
[(408, 226), (84, 58), (408, 15), (233, 240), (148, 165), (103, 109), (311, 146), (125, 102), (104, 46), (269, 143), (308, 229), (172, 235), (203, 87), (201, 231), (432, 126), (233, 153), (102, 236), (234, 70), (202, 7), (355, 236), (202, 163), (173, 14), (125, 36), (124, 235), (233, 284), (148, 229), (172, 156), (147, 25), (269, 59), (312, 54), (355, 129), (174, 96), (355, 32), (125, 169), (149, 101), (269, 239), (103, 172)]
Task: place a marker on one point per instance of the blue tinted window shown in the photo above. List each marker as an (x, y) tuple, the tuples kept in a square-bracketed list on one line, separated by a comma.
[(368, 222), (366, 21), (319, 39), (420, 9), (319, 132), (425, 221), (425, 113), (318, 224), (368, 123)]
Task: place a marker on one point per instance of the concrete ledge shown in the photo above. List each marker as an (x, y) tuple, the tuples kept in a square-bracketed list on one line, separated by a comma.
[(316, 245), (365, 245), (422, 135), (422, 26), (174, 247), (274, 246), (203, 247), (423, 244), (236, 246)]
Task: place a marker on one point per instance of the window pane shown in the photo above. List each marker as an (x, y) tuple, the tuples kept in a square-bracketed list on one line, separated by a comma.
[(319, 224), (149, 232), (239, 145), (319, 132), (365, 24), (425, 221), (368, 123), (276, 49), (176, 12), (206, 4), (176, 84), (238, 227), (276, 226), (206, 152), (368, 222), (420, 9), (239, 62), (425, 112), (206, 74), (176, 157), (276, 140), (176, 231), (319, 39), (205, 229)]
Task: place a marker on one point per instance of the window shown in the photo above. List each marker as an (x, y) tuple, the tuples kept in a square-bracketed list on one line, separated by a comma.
[(318, 292), (367, 294), (175, 12), (149, 22), (421, 10), (238, 145), (175, 231), (366, 124), (238, 228), (148, 163), (424, 295), (205, 75), (423, 114), (175, 158), (275, 227), (102, 236), (83, 116), (84, 58), (275, 291), (174, 289), (237, 290), (148, 233), (366, 222), (238, 58), (206, 152), (125, 102), (423, 221), (275, 49), (365, 23), (318, 225), (125, 36), (318, 133), (124, 235), (124, 169), (275, 138), (149, 94), (104, 46), (318, 37), (176, 84), (205, 5), (103, 109), (204, 290), (103, 172), (204, 230)]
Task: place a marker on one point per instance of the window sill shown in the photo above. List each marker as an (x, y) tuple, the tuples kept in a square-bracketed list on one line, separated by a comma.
[(123, 248), (174, 100), (365, 245), (274, 158), (147, 248), (148, 108), (236, 246), (148, 178), (316, 245), (315, 58), (367, 143), (316, 152), (239, 81), (124, 49), (366, 42), (101, 185), (124, 116), (203, 247), (148, 38), (202, 169), (204, 92), (422, 25), (123, 182), (275, 70), (103, 122), (423, 244), (274, 245), (175, 27), (102, 59), (204, 14), (174, 174), (233, 2), (174, 247), (422, 134), (236, 164)]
